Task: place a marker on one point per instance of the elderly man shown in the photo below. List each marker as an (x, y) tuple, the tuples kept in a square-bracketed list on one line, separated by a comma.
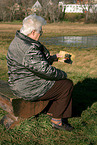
[(32, 76)]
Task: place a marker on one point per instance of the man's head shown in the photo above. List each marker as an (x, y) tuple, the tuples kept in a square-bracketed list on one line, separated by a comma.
[(32, 26)]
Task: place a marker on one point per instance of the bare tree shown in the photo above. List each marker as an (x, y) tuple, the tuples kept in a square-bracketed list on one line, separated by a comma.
[(8, 10), (25, 4), (2, 10), (50, 10), (91, 14), (11, 9)]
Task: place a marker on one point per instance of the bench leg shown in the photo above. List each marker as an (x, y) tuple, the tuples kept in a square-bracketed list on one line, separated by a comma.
[(9, 121)]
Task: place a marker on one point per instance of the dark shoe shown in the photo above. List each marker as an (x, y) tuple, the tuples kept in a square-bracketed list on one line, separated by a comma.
[(66, 127), (64, 121)]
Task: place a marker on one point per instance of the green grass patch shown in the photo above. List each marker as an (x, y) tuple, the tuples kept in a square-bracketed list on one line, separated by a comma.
[(15, 22), (38, 131), (2, 57)]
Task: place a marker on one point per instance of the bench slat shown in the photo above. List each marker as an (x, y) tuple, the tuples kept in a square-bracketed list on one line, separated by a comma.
[(21, 108)]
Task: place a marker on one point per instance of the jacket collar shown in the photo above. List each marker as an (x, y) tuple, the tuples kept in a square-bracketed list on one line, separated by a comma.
[(26, 38)]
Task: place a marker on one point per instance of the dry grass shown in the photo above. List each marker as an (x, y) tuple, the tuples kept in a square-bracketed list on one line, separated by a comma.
[(9, 27), (84, 64), (57, 29), (70, 29)]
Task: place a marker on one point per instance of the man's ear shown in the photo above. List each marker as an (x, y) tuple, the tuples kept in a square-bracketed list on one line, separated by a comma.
[(33, 32)]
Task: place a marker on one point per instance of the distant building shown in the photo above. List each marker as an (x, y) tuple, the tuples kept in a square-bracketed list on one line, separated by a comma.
[(77, 8), (73, 8), (78, 1), (36, 7)]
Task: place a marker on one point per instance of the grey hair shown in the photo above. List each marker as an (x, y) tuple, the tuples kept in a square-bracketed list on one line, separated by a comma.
[(32, 22)]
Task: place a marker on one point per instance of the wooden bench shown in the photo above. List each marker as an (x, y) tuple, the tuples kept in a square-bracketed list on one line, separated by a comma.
[(18, 108)]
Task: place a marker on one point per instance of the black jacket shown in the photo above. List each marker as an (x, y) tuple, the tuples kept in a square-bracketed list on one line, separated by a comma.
[(30, 72)]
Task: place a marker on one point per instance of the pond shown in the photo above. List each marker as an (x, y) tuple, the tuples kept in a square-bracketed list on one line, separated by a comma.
[(72, 41)]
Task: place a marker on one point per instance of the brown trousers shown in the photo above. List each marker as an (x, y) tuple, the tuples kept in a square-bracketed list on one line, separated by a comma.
[(60, 99)]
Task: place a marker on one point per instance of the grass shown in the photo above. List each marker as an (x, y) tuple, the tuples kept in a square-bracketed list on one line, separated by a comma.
[(57, 29), (83, 72)]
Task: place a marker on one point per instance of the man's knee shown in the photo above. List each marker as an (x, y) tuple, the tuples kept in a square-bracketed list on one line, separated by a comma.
[(70, 82)]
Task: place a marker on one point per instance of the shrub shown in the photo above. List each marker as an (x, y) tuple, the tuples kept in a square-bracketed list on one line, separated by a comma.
[(91, 17), (73, 17)]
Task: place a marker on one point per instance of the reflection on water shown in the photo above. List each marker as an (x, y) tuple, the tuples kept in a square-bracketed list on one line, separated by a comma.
[(72, 41)]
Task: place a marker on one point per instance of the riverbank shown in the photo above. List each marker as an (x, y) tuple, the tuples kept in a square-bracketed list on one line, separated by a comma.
[(57, 29), (69, 29)]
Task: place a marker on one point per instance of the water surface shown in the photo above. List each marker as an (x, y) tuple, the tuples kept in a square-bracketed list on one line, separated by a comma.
[(72, 41)]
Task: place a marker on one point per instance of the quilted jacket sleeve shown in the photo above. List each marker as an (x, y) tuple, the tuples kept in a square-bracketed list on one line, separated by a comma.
[(35, 61), (50, 58)]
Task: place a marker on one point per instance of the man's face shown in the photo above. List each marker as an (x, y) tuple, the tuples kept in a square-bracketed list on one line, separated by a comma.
[(37, 34)]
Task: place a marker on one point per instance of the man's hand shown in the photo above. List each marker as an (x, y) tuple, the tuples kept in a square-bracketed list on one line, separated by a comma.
[(58, 56)]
